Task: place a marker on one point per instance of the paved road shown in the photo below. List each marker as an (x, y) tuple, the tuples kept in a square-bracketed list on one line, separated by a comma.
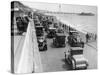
[(91, 54), (53, 58)]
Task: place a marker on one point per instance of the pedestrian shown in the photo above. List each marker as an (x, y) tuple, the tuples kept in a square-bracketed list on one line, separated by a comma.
[(66, 55), (87, 37), (95, 36)]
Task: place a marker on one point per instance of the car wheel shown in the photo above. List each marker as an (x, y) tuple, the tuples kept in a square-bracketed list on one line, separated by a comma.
[(64, 45), (73, 65), (45, 47)]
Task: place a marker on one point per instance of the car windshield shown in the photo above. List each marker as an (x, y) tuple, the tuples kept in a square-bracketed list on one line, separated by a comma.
[(38, 24), (41, 38), (76, 52), (61, 38)]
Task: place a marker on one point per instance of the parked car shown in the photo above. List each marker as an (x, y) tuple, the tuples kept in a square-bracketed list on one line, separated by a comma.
[(59, 30), (20, 25), (42, 43), (74, 39), (35, 17), (76, 58), (25, 22), (37, 23), (39, 31), (51, 32), (59, 40)]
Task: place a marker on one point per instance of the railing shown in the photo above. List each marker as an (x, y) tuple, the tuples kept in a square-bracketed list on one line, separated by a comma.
[(92, 36), (30, 60)]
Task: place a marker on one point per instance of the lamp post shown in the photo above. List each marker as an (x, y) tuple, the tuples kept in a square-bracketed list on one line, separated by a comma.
[(59, 7), (59, 10)]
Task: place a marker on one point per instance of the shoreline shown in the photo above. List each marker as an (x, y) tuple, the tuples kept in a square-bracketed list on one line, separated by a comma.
[(81, 27)]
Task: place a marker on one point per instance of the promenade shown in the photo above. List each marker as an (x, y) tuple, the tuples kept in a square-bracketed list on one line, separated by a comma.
[(26, 53), (28, 58)]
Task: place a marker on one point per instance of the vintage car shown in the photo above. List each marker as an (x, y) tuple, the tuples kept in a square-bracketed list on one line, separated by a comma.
[(39, 30), (76, 59), (22, 24), (59, 40), (19, 24), (60, 30), (55, 25), (50, 19), (51, 32), (25, 21), (45, 25), (36, 21), (35, 17), (74, 39), (37, 24), (42, 43)]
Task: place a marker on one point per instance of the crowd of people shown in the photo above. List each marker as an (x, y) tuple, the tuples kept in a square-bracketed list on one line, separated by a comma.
[(90, 37)]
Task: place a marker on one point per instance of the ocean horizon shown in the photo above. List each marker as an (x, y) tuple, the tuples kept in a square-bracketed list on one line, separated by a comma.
[(84, 23)]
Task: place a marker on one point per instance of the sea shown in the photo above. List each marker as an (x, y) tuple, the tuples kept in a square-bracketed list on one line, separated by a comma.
[(84, 23)]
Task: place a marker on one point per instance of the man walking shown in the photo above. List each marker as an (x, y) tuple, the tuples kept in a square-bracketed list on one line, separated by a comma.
[(87, 37)]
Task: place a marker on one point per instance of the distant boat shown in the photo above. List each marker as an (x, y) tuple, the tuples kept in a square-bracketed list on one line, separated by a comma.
[(86, 14)]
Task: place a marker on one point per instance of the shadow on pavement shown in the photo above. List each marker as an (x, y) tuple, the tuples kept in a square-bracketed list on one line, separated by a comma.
[(52, 46), (66, 66)]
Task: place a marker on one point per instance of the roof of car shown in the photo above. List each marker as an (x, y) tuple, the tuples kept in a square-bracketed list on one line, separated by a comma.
[(52, 28), (74, 31), (76, 48), (79, 58), (39, 26), (60, 34)]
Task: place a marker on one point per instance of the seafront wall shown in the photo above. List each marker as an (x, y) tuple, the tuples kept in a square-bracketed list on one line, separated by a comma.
[(66, 26), (30, 60)]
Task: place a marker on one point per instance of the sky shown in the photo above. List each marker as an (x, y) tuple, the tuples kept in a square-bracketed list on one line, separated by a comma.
[(63, 8)]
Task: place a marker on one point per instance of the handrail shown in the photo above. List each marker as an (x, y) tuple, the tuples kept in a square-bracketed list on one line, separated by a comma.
[(30, 60)]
